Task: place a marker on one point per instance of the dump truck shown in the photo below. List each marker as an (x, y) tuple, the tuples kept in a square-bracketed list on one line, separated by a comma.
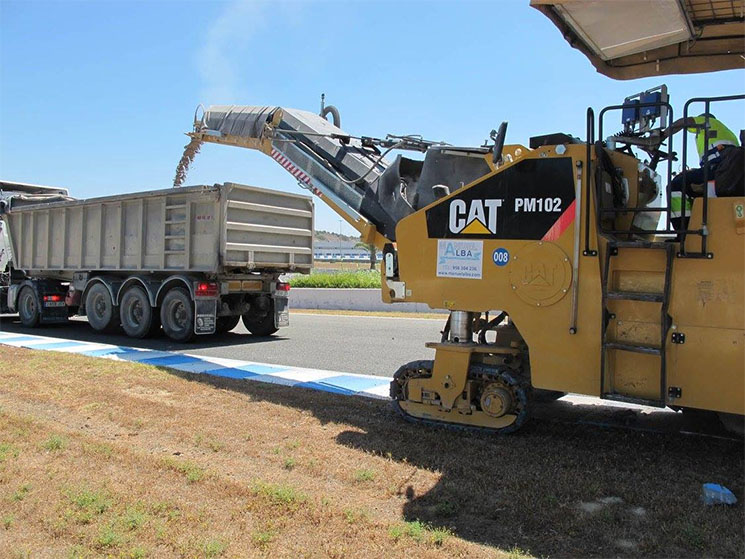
[(558, 261), (194, 260)]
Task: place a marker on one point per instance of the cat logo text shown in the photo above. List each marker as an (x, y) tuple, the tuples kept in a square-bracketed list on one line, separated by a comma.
[(477, 217)]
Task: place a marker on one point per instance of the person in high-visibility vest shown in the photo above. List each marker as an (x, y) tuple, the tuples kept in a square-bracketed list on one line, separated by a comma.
[(720, 139)]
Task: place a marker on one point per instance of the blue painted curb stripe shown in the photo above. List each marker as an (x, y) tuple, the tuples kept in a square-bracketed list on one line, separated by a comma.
[(353, 383), (13, 339), (231, 372), (322, 386), (104, 352), (196, 367), (169, 360), (327, 381)]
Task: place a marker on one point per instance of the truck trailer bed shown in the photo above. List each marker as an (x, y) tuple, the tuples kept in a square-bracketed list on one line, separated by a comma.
[(208, 229)]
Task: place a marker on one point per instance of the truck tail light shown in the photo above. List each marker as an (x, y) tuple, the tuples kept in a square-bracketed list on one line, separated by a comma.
[(207, 289), (53, 298), (282, 286)]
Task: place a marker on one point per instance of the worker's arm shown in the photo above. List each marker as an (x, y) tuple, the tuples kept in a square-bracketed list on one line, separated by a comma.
[(678, 125)]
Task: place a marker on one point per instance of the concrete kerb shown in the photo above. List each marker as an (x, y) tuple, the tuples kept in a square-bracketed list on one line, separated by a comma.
[(351, 300)]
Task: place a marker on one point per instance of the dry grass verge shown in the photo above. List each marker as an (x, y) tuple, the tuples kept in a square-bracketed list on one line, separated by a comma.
[(99, 458)]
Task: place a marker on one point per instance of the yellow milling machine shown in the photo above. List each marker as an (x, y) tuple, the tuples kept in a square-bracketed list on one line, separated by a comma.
[(558, 261)]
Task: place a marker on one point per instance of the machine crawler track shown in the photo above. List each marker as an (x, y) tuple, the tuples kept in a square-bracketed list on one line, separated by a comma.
[(479, 373)]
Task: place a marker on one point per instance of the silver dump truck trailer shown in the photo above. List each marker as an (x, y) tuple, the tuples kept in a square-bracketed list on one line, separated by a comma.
[(192, 259)]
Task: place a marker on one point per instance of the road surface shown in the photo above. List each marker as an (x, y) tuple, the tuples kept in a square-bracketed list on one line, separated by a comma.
[(354, 344)]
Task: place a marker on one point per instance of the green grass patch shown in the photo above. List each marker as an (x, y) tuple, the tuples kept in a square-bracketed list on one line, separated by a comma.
[(290, 463), (342, 280), (364, 474), (134, 518), (21, 492), (136, 553), (419, 532), (214, 548), (213, 444), (165, 510), (98, 449), (109, 537), (355, 516), (262, 538), (438, 536), (280, 494), (7, 450), (87, 504), (192, 472), (7, 521), (53, 443)]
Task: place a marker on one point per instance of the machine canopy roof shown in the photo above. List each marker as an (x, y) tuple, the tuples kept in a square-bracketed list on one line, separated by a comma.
[(632, 39)]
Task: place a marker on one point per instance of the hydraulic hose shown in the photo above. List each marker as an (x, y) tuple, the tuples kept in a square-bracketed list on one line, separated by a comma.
[(334, 114)]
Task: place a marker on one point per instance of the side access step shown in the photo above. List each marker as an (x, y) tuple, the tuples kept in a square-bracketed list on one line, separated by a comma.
[(663, 297), (628, 400), (641, 244), (650, 350), (650, 297)]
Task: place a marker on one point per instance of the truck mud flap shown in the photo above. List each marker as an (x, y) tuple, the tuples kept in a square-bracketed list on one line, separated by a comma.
[(205, 317), (281, 312)]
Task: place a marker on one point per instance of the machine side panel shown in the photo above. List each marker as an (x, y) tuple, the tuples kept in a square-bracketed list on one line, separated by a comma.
[(530, 278), (708, 308), (523, 201), (708, 369)]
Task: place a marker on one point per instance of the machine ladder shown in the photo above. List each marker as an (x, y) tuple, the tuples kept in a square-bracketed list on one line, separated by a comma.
[(663, 299)]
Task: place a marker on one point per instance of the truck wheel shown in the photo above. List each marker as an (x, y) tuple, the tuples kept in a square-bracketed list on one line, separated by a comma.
[(177, 315), (135, 313), (261, 325), (100, 309), (28, 308), (226, 323)]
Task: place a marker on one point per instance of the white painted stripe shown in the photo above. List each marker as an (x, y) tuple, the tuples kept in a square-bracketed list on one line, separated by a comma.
[(83, 347), (382, 391), (322, 380), (304, 375)]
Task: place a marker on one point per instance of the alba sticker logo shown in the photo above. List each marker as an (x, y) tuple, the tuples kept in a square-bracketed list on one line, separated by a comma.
[(478, 218)]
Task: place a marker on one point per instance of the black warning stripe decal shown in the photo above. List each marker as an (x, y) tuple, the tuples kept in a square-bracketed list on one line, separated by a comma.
[(533, 199)]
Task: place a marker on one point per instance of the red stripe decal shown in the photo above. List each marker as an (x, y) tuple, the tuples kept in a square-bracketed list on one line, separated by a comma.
[(290, 167), (561, 224)]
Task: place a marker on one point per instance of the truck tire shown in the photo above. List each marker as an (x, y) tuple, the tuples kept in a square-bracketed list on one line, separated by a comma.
[(226, 323), (103, 316), (136, 314), (261, 325), (177, 315), (28, 307)]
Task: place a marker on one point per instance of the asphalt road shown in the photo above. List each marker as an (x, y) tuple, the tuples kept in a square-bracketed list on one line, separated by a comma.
[(353, 344)]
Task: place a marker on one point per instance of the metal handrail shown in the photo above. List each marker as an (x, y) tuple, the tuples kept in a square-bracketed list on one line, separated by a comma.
[(684, 199), (588, 180)]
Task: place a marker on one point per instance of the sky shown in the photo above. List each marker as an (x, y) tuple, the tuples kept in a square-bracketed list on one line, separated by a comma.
[(96, 96)]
